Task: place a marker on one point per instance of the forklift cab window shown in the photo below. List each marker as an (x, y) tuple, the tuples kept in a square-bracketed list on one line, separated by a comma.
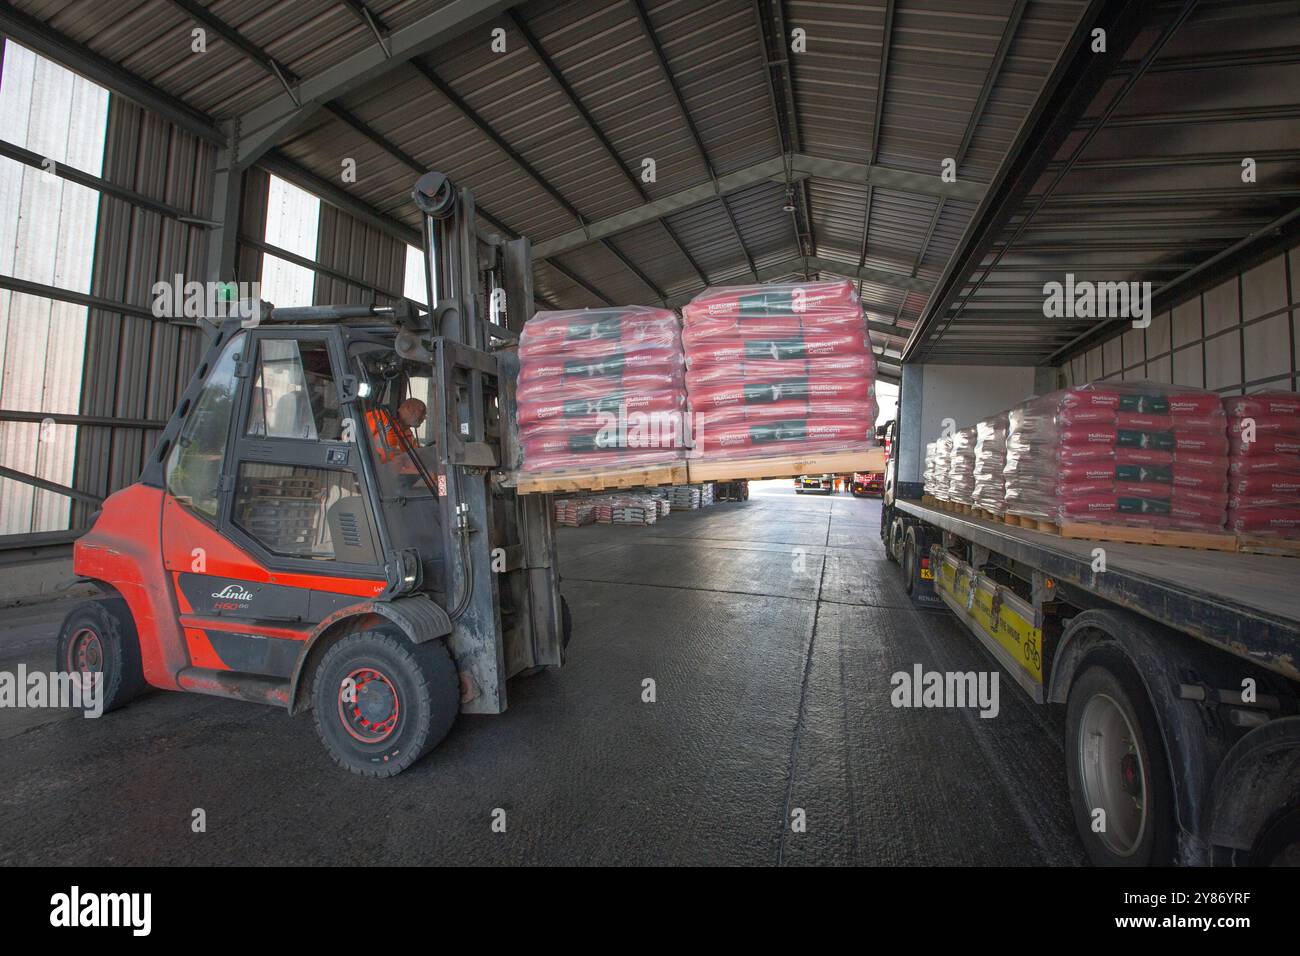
[(194, 466), (293, 393)]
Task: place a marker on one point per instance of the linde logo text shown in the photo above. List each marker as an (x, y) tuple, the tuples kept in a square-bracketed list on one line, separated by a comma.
[(74, 909), (1085, 299), (232, 592), (923, 688)]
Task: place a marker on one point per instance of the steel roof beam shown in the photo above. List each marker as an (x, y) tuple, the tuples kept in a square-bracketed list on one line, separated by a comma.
[(648, 31), (977, 112), (557, 75), (37, 35), (816, 264), (769, 170), (268, 124), (1069, 90), (922, 184), (878, 112), (787, 123)]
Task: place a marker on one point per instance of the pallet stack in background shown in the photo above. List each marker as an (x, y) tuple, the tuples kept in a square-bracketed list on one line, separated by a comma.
[(779, 370), (685, 497), (574, 512), (580, 370), (1264, 464)]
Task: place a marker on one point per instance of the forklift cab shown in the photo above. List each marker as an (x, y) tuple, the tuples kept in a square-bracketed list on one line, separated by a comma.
[(329, 522)]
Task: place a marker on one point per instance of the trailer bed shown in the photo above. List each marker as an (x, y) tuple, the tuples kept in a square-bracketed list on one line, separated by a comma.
[(1245, 604)]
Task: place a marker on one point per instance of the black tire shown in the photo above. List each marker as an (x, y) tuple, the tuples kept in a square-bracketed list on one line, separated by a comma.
[(894, 541), (99, 637), (566, 620), (1279, 842), (798, 491), (911, 560), (1108, 683), (397, 715)]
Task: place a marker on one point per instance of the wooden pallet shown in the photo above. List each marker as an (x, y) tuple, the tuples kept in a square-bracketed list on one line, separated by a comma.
[(564, 482), (1030, 523), (785, 466), (1200, 540), (1254, 544)]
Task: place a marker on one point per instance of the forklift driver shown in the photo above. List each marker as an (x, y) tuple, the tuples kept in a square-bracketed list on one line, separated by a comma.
[(385, 430)]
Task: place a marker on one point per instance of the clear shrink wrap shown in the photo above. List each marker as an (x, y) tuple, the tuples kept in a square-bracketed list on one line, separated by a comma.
[(1264, 464), (938, 457), (961, 467), (779, 369), (990, 458), (1135, 453), (601, 389)]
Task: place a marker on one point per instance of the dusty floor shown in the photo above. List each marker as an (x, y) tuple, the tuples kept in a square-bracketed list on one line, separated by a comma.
[(770, 628)]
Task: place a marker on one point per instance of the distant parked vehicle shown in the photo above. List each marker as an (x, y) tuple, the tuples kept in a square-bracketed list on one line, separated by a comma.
[(868, 484), (823, 484)]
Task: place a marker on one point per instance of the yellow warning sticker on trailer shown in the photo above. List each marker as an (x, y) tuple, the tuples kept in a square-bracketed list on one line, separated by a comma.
[(997, 615)]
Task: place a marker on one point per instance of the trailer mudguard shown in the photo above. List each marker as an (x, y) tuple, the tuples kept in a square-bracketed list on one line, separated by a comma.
[(1259, 776), (1161, 663), (416, 616)]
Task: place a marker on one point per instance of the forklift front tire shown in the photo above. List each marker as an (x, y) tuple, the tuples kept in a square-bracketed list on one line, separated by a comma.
[(381, 703), (98, 637)]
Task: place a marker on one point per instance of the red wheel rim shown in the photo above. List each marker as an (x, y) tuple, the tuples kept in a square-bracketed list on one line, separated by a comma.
[(368, 705), (85, 652)]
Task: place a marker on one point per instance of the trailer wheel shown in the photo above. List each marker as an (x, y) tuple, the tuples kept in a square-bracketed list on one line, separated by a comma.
[(894, 546), (1279, 843), (1117, 770), (99, 637), (911, 559), (381, 703)]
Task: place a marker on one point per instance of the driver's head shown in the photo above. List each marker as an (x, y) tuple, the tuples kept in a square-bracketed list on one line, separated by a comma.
[(412, 412)]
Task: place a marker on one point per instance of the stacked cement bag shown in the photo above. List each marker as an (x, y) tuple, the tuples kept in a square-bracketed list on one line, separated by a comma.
[(928, 475), (990, 458), (1137, 454), (601, 389), (938, 458), (961, 468), (779, 370), (1264, 464)]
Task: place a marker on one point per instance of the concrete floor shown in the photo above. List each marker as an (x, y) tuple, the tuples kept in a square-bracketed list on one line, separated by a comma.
[(770, 628)]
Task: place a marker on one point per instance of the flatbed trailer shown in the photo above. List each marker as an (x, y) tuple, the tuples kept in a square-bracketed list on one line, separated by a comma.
[(1193, 654)]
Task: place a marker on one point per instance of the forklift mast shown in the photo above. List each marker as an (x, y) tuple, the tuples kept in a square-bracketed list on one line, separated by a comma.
[(511, 620)]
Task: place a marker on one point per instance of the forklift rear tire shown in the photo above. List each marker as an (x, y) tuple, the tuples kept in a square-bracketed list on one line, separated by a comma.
[(99, 637), (1115, 762), (381, 703)]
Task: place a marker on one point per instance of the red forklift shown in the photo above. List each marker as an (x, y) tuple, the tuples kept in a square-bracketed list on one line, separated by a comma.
[(329, 520)]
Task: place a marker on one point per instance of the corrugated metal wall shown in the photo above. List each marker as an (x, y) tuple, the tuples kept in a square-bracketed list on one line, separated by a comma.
[(351, 248), (136, 366), (1241, 336), (47, 229)]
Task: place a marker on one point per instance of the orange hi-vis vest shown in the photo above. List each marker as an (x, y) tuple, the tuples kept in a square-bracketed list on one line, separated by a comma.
[(387, 442)]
